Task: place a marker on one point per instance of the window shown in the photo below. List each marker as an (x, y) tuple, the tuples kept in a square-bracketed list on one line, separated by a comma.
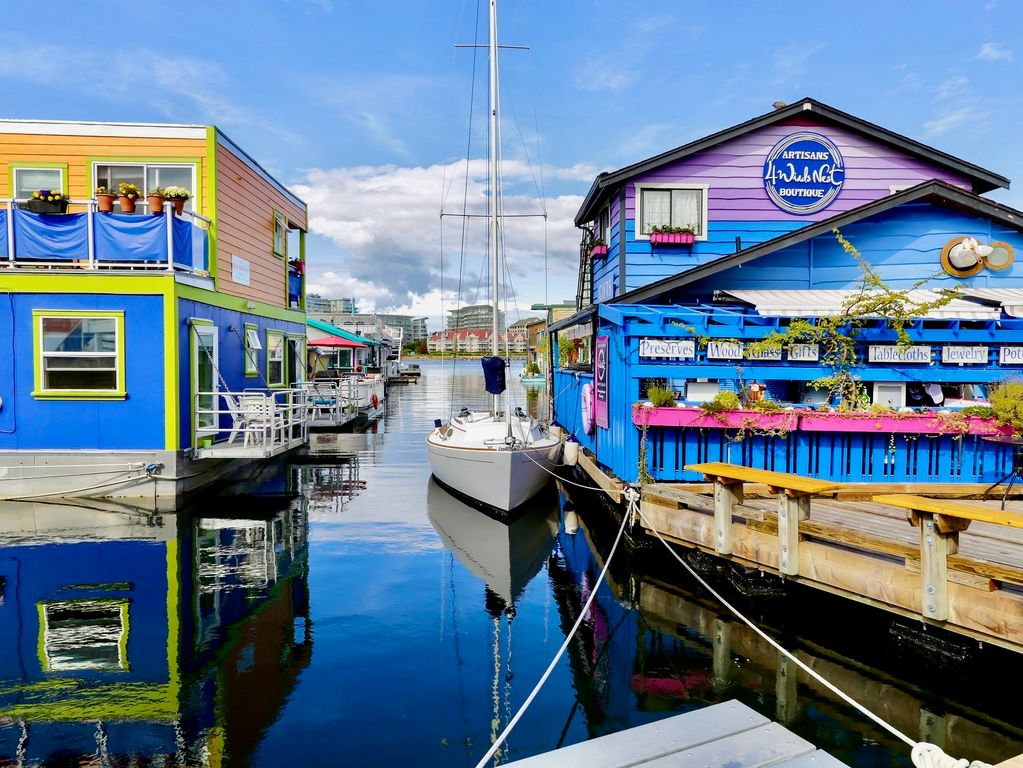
[(604, 233), (147, 176), (280, 234), (27, 180), (84, 635), (274, 359), (252, 347), (79, 354), (672, 207)]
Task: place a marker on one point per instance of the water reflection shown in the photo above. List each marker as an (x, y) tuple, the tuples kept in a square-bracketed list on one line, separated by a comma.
[(166, 637)]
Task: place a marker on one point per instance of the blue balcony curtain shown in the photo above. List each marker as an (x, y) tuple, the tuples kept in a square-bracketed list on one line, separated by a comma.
[(118, 237)]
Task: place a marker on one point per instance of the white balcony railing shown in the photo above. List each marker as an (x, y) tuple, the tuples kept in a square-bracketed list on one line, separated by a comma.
[(250, 424), (95, 241)]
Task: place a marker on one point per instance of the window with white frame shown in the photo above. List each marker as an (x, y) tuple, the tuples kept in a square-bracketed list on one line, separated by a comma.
[(252, 347), (274, 359), (29, 180), (147, 176), (672, 206), (79, 353)]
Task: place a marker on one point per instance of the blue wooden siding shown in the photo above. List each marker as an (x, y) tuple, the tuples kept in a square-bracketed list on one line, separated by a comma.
[(568, 388), (606, 272), (134, 423), (231, 349), (902, 245)]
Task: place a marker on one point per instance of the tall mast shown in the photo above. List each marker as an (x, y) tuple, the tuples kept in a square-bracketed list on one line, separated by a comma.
[(494, 186)]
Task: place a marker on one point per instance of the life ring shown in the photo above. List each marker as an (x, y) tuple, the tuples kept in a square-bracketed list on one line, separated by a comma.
[(375, 399), (588, 405)]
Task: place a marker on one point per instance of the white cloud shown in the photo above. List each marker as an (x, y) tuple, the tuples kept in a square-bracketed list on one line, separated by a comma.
[(954, 86), (994, 52), (598, 73), (954, 119), (383, 229)]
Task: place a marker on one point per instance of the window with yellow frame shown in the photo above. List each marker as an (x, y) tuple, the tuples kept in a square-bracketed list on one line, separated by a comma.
[(78, 354), (252, 349)]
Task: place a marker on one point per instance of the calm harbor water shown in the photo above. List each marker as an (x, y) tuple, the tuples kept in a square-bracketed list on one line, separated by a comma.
[(341, 609)]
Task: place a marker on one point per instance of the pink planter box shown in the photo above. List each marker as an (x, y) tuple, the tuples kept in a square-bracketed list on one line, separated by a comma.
[(909, 423), (695, 417), (810, 421), (598, 250), (672, 238)]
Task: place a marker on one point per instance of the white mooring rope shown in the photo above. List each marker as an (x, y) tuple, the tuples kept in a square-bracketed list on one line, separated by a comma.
[(924, 754), (632, 496)]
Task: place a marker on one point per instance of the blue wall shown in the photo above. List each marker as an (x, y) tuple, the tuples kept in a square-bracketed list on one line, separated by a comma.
[(231, 348), (903, 246), (135, 423)]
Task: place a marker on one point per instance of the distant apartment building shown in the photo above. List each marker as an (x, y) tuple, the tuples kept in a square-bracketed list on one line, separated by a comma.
[(340, 312), (474, 316), (477, 340)]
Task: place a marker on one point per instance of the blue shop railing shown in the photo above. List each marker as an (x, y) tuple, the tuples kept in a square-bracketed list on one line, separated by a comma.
[(94, 240)]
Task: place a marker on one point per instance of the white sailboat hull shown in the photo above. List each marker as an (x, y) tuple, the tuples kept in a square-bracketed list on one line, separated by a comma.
[(498, 476)]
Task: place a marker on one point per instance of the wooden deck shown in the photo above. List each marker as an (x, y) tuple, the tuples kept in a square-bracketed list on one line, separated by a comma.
[(866, 551), (729, 734)]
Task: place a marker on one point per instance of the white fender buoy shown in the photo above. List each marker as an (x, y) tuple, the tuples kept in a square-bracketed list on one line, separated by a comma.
[(571, 453)]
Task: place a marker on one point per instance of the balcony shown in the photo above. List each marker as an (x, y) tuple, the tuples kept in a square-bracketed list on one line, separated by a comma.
[(90, 240), (252, 424)]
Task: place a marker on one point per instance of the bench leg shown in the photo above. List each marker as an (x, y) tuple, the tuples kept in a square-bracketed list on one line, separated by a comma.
[(935, 547), (791, 509), (726, 496)]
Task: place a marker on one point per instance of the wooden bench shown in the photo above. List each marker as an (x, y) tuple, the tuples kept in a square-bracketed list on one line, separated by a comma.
[(793, 493), (940, 521)]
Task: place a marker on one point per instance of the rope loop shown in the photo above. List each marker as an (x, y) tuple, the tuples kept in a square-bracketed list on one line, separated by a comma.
[(927, 755)]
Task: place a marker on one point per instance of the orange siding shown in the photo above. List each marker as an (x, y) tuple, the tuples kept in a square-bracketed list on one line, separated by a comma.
[(78, 152), (245, 206)]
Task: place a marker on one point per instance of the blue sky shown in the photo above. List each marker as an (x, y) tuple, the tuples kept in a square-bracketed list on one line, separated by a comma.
[(362, 107)]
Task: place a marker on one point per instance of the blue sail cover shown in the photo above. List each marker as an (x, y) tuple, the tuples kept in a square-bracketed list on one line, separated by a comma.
[(493, 374)]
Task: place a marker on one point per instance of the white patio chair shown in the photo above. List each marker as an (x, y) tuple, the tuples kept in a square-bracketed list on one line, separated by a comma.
[(237, 416), (262, 420)]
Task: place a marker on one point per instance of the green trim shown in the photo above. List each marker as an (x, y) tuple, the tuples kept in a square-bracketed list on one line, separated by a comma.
[(303, 356), (251, 356), (301, 257), (193, 384), (14, 165), (284, 359), (211, 198), (237, 303), (39, 393), (278, 216)]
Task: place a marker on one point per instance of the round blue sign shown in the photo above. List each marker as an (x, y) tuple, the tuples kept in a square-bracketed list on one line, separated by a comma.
[(804, 173)]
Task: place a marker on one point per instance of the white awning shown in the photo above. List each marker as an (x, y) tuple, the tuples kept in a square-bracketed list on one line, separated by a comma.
[(826, 303), (1009, 299)]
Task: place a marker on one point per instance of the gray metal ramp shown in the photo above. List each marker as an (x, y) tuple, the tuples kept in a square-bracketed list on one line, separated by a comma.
[(729, 734)]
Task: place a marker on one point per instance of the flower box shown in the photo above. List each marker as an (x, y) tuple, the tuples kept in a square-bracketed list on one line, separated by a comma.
[(598, 250), (672, 238), (697, 417), (900, 423), (47, 206)]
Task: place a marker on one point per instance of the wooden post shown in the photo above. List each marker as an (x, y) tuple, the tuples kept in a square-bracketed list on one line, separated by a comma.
[(785, 689), (791, 509), (939, 538), (721, 653), (726, 496)]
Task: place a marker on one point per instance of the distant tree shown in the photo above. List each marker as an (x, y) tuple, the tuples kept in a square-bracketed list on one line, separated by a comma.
[(421, 348), (408, 346)]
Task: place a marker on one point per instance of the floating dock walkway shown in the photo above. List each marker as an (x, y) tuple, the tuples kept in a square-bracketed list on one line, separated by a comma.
[(729, 734)]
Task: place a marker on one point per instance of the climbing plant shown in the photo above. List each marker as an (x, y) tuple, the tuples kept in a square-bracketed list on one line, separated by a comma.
[(837, 335)]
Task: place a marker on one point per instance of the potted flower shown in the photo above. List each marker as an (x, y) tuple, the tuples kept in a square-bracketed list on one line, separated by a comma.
[(127, 195), (104, 200), (178, 196), (155, 199), (48, 201), (667, 234), (598, 248)]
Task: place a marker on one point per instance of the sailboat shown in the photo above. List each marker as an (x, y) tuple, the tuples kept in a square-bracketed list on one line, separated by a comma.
[(497, 458)]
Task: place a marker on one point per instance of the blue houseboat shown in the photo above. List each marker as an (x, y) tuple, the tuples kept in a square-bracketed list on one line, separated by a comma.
[(767, 231), (152, 297)]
